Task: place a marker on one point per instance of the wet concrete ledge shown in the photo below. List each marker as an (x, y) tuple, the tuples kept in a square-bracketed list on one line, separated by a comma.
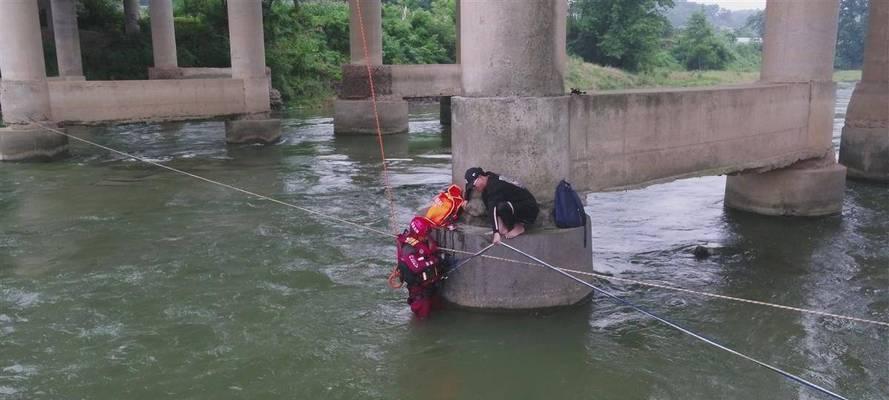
[(28, 143), (499, 285)]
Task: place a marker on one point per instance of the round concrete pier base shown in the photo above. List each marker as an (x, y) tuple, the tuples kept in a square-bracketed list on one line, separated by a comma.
[(356, 117), (484, 283), (244, 131), (865, 153), (808, 188), (31, 144)]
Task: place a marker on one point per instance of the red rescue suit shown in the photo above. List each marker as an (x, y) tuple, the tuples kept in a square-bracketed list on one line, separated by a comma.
[(419, 265)]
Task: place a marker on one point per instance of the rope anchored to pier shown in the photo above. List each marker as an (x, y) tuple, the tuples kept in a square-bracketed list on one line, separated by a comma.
[(673, 325), (457, 251)]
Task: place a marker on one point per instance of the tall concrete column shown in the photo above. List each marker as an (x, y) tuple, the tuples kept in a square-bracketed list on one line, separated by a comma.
[(132, 13), (518, 48), (248, 64), (799, 45), (67, 37), (459, 44), (513, 119), (864, 148), (354, 114), (800, 40), (513, 106), (163, 34), (372, 21), (24, 93)]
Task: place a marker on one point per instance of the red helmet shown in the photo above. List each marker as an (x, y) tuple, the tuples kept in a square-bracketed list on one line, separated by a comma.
[(420, 226)]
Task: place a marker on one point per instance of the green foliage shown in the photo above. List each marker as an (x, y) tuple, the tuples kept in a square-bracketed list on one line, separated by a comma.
[(756, 24), (107, 52), (99, 15), (851, 34), (117, 57), (418, 35), (699, 47), (201, 44), (586, 76), (620, 33), (748, 57), (305, 47)]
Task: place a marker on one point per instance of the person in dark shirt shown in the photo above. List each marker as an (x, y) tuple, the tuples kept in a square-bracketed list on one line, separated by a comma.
[(510, 206)]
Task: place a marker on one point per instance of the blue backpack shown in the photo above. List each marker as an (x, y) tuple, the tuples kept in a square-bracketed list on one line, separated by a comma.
[(568, 209)]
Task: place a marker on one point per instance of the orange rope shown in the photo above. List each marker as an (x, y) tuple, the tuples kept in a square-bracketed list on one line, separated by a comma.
[(373, 96), (394, 279)]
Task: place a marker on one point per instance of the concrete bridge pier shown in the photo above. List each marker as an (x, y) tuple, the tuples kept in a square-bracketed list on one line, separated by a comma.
[(24, 93), (354, 110), (799, 47), (864, 148), (67, 38), (163, 37), (513, 118), (248, 64), (132, 14)]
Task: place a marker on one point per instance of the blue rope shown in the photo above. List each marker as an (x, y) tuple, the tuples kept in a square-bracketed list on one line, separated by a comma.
[(680, 328)]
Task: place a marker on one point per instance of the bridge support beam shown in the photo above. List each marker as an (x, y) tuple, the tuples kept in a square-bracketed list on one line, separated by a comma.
[(354, 112), (24, 93), (807, 188), (799, 47), (248, 64), (864, 148)]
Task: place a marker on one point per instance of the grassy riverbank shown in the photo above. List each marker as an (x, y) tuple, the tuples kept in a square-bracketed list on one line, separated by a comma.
[(587, 76)]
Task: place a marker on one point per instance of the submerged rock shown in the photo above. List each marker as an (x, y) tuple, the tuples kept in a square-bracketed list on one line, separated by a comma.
[(701, 252)]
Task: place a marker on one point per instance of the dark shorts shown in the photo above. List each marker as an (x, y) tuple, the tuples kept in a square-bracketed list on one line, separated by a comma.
[(524, 212)]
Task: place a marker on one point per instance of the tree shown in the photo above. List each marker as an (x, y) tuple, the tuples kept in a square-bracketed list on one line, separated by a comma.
[(419, 35), (699, 47), (619, 33), (851, 34), (756, 23)]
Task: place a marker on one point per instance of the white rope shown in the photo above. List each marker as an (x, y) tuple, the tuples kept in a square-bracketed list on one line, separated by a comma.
[(689, 291), (208, 180), (456, 251)]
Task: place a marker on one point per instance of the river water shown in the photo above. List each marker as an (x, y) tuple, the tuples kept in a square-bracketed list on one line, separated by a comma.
[(120, 280)]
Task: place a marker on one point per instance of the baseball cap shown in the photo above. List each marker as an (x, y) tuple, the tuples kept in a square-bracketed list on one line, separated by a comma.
[(473, 173), (470, 176)]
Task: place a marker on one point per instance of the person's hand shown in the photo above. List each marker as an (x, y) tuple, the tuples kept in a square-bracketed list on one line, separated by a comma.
[(496, 239)]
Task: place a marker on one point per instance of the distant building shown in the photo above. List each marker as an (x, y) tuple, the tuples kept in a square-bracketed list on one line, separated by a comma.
[(748, 40)]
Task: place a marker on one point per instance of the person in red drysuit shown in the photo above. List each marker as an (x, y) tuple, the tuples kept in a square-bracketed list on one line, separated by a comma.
[(419, 266)]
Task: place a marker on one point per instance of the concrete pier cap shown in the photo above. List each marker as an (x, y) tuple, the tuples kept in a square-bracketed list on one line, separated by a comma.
[(864, 148), (31, 143), (253, 129), (497, 284), (809, 188), (356, 117), (24, 92)]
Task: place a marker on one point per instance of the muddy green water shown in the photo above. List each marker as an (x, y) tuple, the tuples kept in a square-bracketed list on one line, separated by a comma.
[(119, 280)]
